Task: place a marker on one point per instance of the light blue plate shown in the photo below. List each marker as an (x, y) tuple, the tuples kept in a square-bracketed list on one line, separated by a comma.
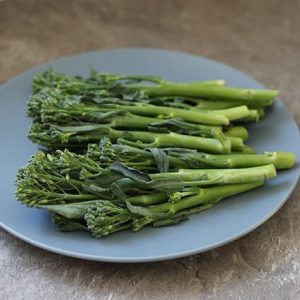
[(227, 221)]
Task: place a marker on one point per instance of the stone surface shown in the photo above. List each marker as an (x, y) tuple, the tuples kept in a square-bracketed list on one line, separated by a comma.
[(260, 38)]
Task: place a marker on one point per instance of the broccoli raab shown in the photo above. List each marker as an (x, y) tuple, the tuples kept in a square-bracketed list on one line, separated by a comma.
[(124, 152)]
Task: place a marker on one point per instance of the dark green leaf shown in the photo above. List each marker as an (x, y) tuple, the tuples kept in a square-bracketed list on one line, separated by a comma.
[(70, 211), (96, 190), (64, 224), (161, 159), (168, 222), (131, 173), (145, 212), (117, 191), (137, 210)]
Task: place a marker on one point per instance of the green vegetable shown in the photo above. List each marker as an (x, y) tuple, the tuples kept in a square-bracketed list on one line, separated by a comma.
[(66, 177), (54, 106), (97, 81), (216, 117), (281, 160), (137, 145), (55, 136), (198, 177), (113, 84), (53, 110), (104, 218), (69, 111)]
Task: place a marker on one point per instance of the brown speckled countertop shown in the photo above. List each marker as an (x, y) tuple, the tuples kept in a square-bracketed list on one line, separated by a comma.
[(260, 38)]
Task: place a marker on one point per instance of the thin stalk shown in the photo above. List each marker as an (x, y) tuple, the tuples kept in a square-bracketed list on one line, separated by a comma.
[(105, 218), (233, 113), (76, 211), (139, 139), (220, 176), (221, 93), (216, 104), (199, 117), (181, 216), (281, 160), (236, 143), (206, 196), (254, 115), (237, 131)]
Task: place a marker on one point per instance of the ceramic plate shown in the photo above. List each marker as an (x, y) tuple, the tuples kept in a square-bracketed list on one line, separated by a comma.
[(227, 221)]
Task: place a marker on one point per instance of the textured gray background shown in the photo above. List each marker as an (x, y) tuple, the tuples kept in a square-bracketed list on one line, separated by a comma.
[(260, 38)]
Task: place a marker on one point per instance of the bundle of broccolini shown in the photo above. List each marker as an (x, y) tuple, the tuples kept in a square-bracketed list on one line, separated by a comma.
[(72, 112), (130, 151)]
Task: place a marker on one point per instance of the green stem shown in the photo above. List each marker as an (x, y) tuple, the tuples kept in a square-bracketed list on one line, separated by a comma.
[(215, 83), (254, 115), (76, 211), (281, 160), (58, 197), (148, 199), (244, 150), (219, 176), (199, 117), (144, 139), (208, 117), (105, 218), (236, 143), (141, 122), (234, 113), (159, 80), (209, 92), (216, 104), (172, 139), (237, 131), (74, 117), (70, 211), (132, 121), (206, 196), (181, 216)]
